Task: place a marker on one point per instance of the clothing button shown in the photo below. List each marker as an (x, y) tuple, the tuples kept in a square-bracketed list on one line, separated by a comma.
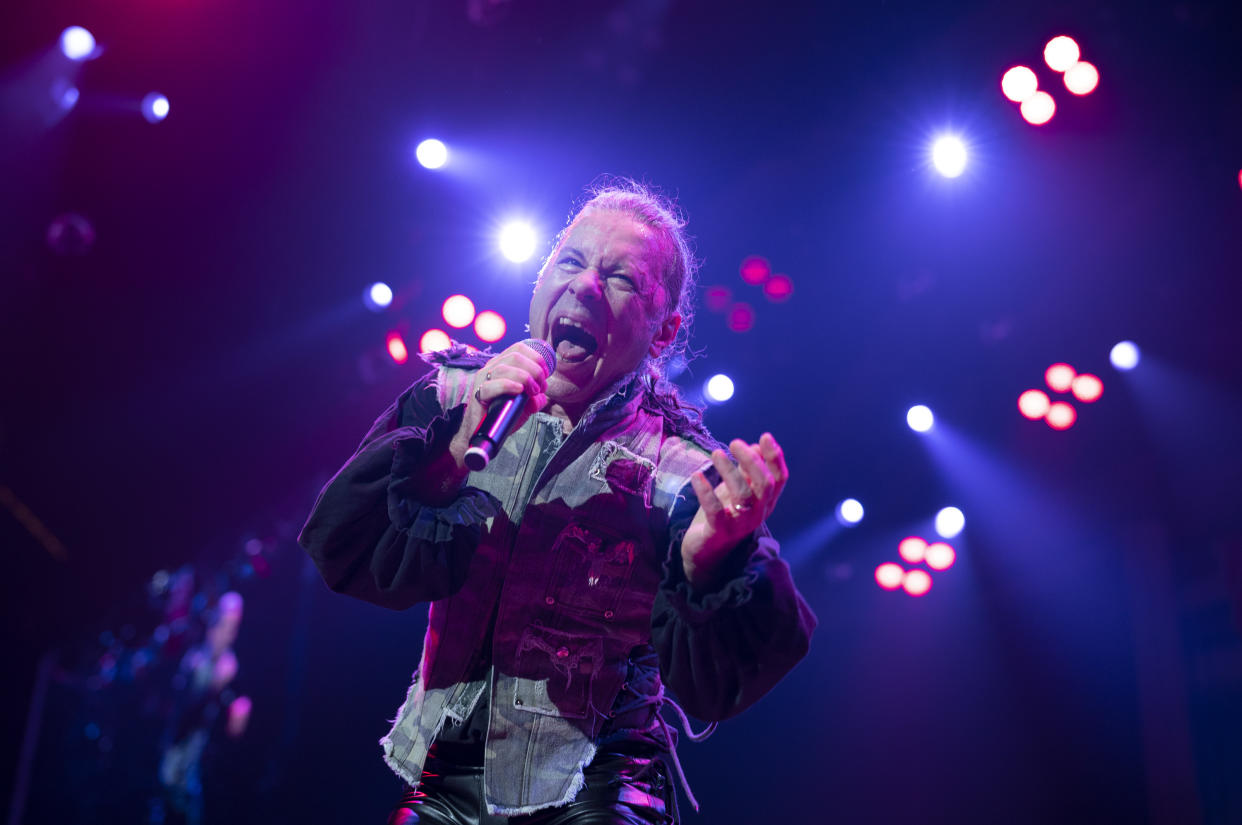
[(607, 614), (550, 600), (625, 685), (517, 701), (562, 653)]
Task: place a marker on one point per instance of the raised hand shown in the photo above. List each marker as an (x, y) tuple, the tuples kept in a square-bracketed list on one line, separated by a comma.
[(732, 510)]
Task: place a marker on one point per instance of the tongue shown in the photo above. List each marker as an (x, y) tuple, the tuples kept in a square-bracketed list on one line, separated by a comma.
[(570, 351)]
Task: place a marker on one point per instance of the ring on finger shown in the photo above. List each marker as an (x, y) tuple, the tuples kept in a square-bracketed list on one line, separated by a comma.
[(743, 506)]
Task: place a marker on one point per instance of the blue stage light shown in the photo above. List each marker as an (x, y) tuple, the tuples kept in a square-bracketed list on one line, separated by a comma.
[(949, 155), (378, 296), (920, 418), (950, 522), (1125, 356), (718, 388), (155, 107), (76, 43), (431, 153), (850, 512)]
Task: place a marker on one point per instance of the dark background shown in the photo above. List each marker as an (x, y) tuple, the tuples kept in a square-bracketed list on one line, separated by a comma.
[(189, 382)]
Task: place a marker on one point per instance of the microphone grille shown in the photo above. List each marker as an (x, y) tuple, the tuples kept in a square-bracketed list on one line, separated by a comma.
[(545, 352)]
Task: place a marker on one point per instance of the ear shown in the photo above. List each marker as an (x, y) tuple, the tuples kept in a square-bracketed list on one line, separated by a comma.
[(664, 335)]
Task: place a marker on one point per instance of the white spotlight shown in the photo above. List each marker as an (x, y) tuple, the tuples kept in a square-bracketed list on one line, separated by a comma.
[(920, 418), (76, 43), (378, 296), (719, 388), (850, 512), (155, 107), (517, 241), (950, 522), (1125, 356), (431, 153), (949, 156)]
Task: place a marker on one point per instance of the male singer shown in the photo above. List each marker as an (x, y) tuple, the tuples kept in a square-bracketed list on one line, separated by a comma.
[(610, 548)]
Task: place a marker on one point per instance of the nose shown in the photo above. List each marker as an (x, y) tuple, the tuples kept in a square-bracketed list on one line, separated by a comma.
[(587, 284)]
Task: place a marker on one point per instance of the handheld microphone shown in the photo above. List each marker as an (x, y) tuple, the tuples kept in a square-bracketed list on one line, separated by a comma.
[(501, 413)]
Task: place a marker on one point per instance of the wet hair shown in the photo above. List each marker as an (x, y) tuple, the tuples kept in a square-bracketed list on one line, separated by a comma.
[(679, 270)]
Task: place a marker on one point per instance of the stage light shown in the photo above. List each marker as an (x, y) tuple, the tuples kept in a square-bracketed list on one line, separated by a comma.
[(917, 582), (1039, 108), (397, 348), (1019, 83), (850, 512), (458, 311), (489, 326), (778, 288), (154, 107), (378, 296), (1061, 416), (1033, 404), (913, 549), (950, 522), (76, 43), (434, 340), (719, 388), (1059, 377), (949, 155), (889, 575), (1087, 388), (920, 418), (65, 95), (1061, 53), (741, 317), (517, 241), (940, 556), (431, 153), (755, 270), (1082, 78), (1125, 355), (717, 298)]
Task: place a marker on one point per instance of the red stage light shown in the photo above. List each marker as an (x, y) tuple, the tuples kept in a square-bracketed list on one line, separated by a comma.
[(1082, 78), (397, 349), (433, 340), (1039, 108), (913, 549), (458, 311), (755, 270), (741, 317), (1061, 53), (1033, 404), (1087, 388), (489, 326), (1019, 83), (1059, 377), (778, 288), (718, 298), (940, 556), (889, 575), (917, 582), (1061, 416)]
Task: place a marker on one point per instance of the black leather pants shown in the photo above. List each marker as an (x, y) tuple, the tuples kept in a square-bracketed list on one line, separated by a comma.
[(621, 789)]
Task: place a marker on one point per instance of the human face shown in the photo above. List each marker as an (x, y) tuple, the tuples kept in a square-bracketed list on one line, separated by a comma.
[(601, 304)]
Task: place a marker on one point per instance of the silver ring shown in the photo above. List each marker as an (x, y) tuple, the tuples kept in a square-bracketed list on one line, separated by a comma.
[(738, 507)]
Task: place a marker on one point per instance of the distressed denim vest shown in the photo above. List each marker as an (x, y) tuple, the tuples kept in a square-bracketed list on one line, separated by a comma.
[(569, 566)]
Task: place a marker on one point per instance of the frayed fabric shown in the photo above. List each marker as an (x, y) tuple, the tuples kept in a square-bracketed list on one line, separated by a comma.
[(575, 786)]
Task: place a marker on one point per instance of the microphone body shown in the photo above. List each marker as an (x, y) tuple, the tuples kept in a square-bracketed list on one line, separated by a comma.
[(502, 412)]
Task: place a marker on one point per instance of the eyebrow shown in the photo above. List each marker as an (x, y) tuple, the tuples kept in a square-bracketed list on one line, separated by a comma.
[(631, 262)]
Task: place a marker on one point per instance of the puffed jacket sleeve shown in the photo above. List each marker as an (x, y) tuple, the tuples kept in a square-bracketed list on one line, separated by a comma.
[(368, 533), (721, 651)]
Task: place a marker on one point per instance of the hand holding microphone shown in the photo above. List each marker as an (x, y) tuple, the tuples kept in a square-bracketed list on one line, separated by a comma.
[(508, 389)]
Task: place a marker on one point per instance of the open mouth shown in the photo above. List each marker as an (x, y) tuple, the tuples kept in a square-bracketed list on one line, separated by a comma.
[(571, 341)]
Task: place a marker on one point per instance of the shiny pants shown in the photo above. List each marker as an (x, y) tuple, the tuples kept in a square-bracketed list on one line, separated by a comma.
[(621, 789)]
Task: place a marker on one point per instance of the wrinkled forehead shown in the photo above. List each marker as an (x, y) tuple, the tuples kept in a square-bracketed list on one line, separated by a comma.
[(625, 236)]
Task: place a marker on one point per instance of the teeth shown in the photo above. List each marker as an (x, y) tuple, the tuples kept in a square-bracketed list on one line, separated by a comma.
[(569, 322)]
